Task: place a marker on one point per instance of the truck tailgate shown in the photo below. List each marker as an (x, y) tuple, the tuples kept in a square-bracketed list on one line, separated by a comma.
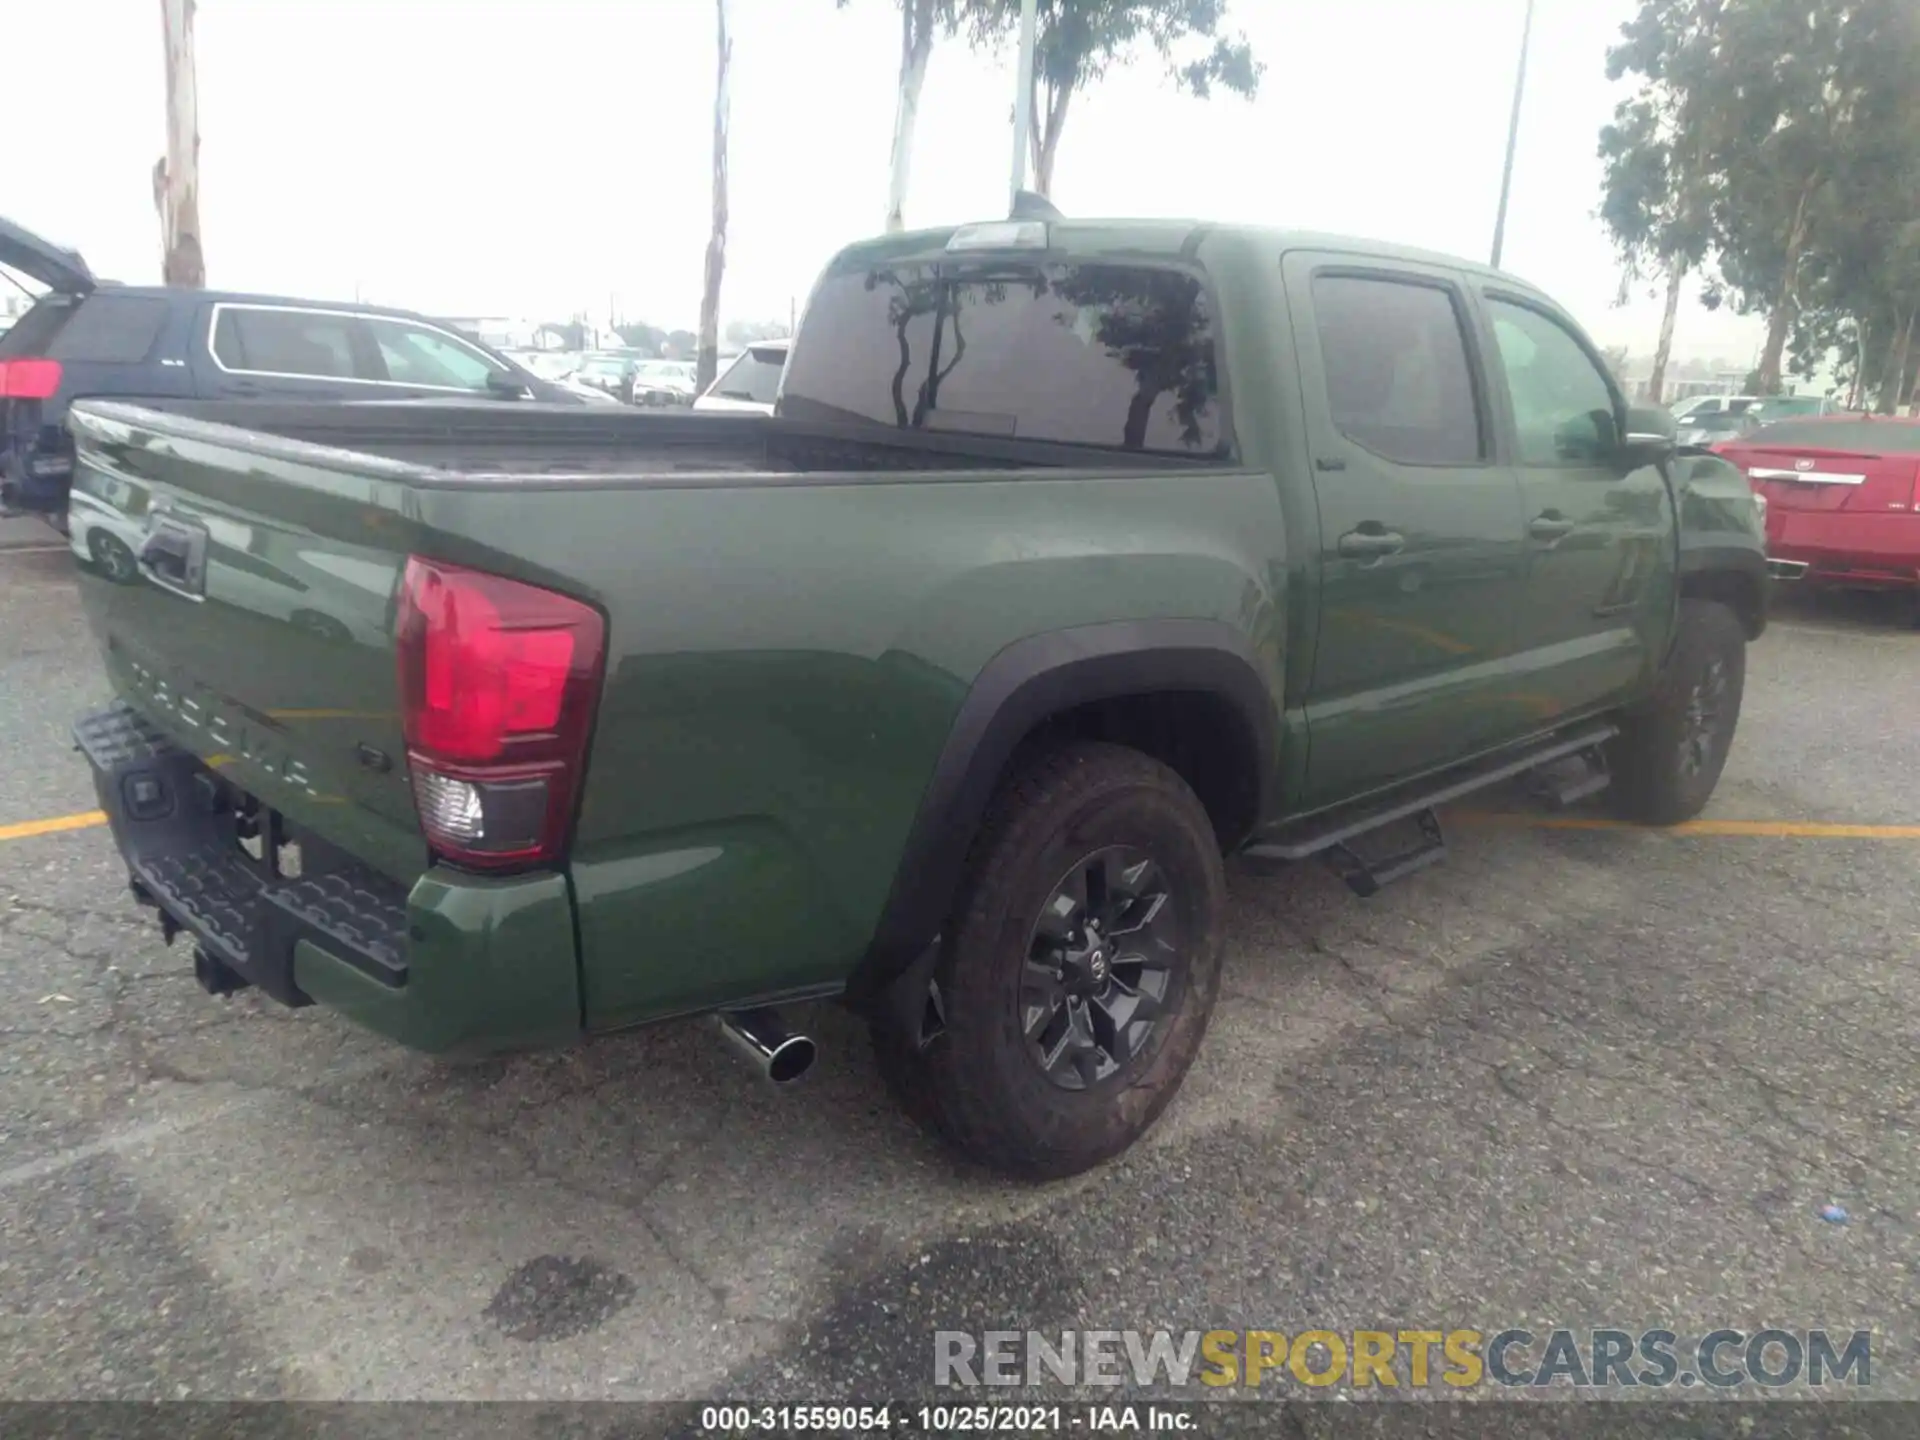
[(246, 607)]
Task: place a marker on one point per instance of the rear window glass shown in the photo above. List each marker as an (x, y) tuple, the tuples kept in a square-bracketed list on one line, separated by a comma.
[(34, 331), (1118, 356), (753, 377), (1866, 437), (111, 330)]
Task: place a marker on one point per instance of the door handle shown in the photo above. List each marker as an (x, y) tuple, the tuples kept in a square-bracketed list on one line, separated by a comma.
[(1550, 526), (1370, 544)]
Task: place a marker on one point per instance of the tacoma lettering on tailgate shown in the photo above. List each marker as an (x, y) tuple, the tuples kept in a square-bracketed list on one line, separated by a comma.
[(200, 710)]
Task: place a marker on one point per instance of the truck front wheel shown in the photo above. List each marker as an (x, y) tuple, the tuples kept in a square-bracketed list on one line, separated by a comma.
[(1671, 750), (1079, 971)]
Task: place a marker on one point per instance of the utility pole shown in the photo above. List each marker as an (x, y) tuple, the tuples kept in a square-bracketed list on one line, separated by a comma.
[(177, 177), (1023, 98), (1513, 136), (707, 353)]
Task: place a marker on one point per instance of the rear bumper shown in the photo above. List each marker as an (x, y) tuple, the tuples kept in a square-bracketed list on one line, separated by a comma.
[(456, 963), (1845, 549), (33, 478)]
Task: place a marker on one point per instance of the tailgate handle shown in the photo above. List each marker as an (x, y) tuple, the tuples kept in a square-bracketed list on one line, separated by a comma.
[(174, 557)]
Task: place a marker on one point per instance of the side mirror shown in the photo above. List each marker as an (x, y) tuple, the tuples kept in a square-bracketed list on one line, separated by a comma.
[(1652, 435), (506, 385)]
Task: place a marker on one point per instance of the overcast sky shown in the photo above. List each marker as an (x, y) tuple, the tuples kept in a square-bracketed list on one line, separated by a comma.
[(534, 158)]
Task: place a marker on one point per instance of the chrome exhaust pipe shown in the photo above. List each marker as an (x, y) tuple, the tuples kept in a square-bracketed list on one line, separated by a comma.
[(1786, 569), (758, 1035)]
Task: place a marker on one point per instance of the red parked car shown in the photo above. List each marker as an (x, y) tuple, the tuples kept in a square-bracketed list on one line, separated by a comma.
[(1842, 495)]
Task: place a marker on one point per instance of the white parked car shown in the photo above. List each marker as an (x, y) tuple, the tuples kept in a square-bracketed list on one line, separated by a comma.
[(749, 385), (1714, 405), (1711, 427), (326, 591), (592, 394), (547, 364), (107, 525), (663, 382)]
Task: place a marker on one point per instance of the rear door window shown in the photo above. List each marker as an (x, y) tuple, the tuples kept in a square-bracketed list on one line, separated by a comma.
[(1398, 378), (268, 341), (1116, 356)]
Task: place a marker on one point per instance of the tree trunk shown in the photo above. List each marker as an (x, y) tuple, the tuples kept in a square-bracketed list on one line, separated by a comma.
[(177, 177), (1893, 386), (1657, 383), (1046, 137), (709, 354), (916, 46), (1859, 385), (1786, 306)]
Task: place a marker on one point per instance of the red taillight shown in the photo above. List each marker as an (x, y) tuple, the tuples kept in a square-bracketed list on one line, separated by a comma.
[(498, 681), (29, 379)]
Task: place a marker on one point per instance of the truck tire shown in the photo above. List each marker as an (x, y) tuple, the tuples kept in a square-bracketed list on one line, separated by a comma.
[(1078, 973), (1671, 750)]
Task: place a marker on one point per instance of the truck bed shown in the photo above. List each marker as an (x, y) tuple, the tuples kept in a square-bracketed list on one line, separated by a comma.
[(768, 583), (463, 443)]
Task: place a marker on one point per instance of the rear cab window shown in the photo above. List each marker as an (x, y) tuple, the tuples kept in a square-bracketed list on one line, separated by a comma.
[(1118, 356)]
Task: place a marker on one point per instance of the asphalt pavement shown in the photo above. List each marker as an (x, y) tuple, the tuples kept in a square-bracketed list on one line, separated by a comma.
[(1575, 1076)]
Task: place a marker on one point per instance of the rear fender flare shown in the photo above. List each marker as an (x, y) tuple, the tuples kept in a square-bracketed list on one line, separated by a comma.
[(1022, 687)]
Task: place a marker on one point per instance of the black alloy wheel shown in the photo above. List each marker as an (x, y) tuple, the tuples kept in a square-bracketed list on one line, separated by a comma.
[(1103, 969)]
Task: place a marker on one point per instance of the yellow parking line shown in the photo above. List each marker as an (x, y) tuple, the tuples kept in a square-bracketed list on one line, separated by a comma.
[(1780, 829), (1775, 829), (26, 828)]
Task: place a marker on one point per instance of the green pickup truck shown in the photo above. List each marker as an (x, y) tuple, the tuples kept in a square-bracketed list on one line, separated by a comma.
[(1076, 556)]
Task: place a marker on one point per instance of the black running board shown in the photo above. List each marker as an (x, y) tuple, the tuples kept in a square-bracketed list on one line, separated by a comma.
[(1331, 832), (1365, 876)]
